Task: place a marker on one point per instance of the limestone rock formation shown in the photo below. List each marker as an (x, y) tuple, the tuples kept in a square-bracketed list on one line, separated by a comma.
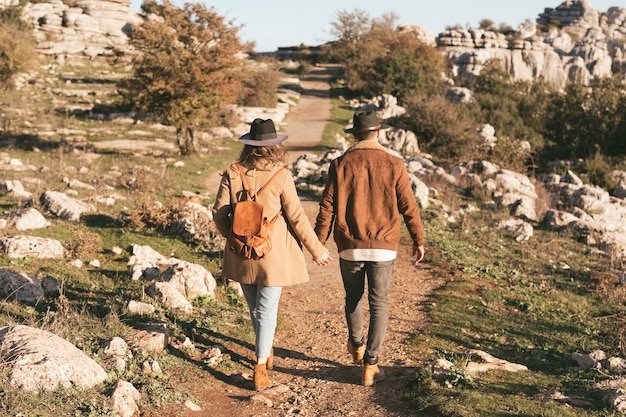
[(573, 42), (87, 28)]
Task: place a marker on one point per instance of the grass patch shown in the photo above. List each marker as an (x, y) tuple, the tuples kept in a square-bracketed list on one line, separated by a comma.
[(341, 115), (533, 303)]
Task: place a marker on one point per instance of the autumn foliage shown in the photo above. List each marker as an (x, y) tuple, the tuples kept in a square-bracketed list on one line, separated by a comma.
[(188, 70)]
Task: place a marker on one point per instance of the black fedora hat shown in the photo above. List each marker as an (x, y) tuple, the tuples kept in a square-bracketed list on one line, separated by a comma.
[(262, 133), (364, 121)]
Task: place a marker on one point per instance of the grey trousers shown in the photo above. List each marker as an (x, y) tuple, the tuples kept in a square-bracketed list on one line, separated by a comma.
[(378, 276)]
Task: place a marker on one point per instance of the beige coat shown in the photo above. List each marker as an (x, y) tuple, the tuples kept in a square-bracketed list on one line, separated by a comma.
[(285, 263)]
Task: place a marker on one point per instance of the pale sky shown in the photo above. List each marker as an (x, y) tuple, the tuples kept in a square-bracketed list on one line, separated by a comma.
[(274, 23)]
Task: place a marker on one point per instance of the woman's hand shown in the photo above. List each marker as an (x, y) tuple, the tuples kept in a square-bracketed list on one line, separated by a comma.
[(324, 260)]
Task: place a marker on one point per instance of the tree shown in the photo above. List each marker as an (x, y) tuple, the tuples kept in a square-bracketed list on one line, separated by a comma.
[(379, 59), (516, 109), (443, 128), (587, 120), (17, 46), (409, 67), (187, 69)]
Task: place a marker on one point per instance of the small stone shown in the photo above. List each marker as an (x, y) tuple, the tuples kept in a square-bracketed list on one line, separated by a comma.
[(192, 406)]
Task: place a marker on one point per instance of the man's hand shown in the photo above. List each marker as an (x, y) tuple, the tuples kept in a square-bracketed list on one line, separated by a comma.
[(324, 260), (418, 252)]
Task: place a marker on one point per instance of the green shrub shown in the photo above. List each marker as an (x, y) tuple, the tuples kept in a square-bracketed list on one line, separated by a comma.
[(260, 89)]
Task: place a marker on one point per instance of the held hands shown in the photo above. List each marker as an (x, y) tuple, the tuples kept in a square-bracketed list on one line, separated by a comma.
[(418, 252), (324, 260)]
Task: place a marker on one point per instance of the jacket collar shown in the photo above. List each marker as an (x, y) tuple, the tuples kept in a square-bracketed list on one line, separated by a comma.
[(366, 144)]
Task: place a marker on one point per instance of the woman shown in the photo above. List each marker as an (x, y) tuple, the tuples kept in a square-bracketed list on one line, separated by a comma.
[(262, 280)]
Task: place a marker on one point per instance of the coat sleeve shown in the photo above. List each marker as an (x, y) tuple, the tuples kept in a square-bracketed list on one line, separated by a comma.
[(407, 206), (326, 214), (222, 208), (298, 220)]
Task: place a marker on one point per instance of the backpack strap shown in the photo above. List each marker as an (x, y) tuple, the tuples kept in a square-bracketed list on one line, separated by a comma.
[(245, 183), (278, 171)]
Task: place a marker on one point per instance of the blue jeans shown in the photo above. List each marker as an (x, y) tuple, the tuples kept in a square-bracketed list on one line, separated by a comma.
[(378, 276), (263, 306)]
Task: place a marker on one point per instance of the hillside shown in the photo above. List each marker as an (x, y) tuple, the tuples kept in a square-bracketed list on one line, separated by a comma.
[(110, 272)]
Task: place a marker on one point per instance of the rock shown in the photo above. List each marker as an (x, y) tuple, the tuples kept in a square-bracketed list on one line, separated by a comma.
[(420, 190), (41, 361), (15, 188), (167, 294), (551, 54), (65, 207), (39, 247), (617, 399), (28, 219), (558, 220), (615, 365), (51, 286), (124, 399), (116, 347), (589, 361), (489, 362), (20, 286), (151, 367), (441, 367), (620, 184), (116, 353), (151, 338), (145, 258), (400, 140), (521, 230), (137, 307), (190, 405), (191, 280)]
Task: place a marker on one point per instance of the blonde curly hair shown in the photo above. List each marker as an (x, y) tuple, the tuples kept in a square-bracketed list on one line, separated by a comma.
[(263, 157)]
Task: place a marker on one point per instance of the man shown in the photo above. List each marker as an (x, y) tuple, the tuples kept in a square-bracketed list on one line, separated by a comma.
[(367, 194)]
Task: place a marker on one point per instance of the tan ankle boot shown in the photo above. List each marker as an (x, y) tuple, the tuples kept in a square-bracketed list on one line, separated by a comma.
[(372, 374), (261, 381), (356, 352)]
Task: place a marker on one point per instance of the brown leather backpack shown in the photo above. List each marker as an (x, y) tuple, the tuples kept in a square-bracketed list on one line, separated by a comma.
[(249, 237)]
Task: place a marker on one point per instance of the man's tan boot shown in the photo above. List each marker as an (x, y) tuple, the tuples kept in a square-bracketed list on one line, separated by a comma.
[(261, 381), (372, 374), (357, 352)]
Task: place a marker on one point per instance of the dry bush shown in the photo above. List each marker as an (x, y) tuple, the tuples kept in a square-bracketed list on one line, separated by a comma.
[(17, 49), (84, 245), (607, 284), (144, 179), (545, 200), (178, 217), (151, 214)]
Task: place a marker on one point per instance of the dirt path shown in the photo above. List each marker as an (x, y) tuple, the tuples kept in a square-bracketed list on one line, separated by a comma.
[(306, 121), (313, 374)]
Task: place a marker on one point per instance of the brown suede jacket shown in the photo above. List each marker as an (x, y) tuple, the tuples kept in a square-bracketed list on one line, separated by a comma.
[(367, 194)]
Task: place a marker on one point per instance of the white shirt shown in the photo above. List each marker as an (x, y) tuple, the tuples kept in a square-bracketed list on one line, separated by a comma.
[(370, 255)]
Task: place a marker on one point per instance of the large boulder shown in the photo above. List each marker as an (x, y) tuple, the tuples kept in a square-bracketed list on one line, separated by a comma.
[(38, 360)]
